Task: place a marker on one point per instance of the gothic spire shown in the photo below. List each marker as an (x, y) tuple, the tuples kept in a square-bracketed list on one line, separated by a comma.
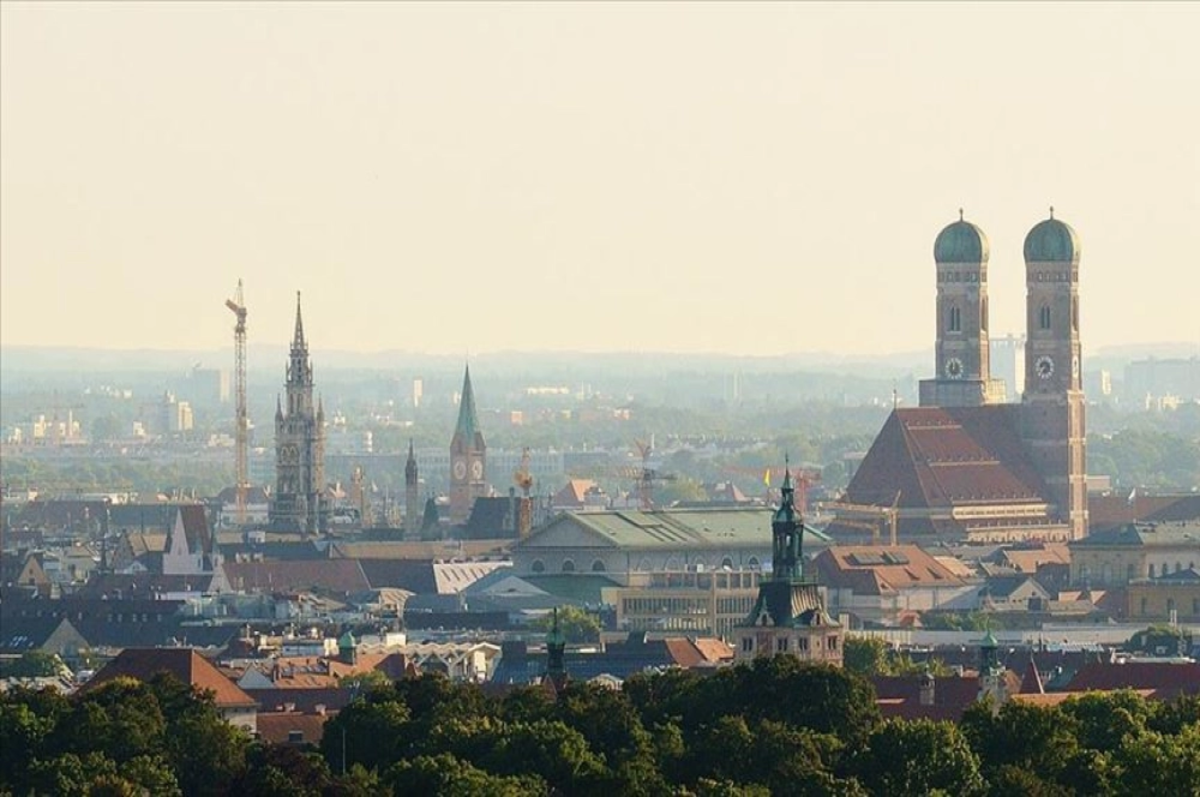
[(468, 418), (298, 337)]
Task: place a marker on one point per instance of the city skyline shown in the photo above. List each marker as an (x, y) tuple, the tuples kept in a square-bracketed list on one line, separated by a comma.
[(514, 178)]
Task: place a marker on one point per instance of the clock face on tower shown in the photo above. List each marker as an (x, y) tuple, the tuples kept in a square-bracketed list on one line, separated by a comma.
[(476, 470), (1044, 367), (954, 368), (460, 469)]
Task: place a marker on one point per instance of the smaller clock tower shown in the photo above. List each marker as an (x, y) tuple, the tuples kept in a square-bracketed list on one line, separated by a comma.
[(963, 376), (1052, 408), (468, 457)]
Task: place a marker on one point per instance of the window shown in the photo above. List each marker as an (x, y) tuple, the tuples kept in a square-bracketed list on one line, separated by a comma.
[(833, 643), (568, 566), (752, 563), (727, 563), (781, 644), (802, 643), (1129, 573), (955, 320), (598, 566), (1151, 571), (1143, 612), (1075, 314), (1170, 606), (538, 566), (747, 645), (1044, 317), (983, 318)]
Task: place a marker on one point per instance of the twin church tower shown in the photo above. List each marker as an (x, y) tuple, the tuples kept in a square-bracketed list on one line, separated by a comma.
[(1051, 411)]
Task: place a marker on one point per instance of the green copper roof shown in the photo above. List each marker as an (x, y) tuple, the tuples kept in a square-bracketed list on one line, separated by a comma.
[(468, 418), (1051, 241), (961, 242), (675, 528)]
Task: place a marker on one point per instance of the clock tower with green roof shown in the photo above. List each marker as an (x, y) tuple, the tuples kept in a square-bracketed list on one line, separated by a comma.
[(468, 457), (789, 617)]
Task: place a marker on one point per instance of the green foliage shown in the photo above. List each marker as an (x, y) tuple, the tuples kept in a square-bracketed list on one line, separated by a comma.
[(869, 656), (577, 625), (919, 757), (1156, 638), (34, 664), (775, 726)]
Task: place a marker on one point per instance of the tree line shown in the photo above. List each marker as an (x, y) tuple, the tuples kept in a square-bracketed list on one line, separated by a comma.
[(776, 726)]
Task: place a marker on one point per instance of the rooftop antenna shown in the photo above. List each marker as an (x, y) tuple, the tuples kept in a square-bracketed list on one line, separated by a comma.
[(1052, 211), (960, 214)]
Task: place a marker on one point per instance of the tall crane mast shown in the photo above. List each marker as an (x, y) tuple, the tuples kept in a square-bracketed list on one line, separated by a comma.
[(237, 306)]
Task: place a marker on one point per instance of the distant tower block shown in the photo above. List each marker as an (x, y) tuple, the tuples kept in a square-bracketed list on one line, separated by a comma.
[(1053, 402), (963, 376)]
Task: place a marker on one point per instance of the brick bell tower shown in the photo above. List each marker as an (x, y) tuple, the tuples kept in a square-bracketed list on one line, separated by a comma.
[(468, 457), (1052, 408), (963, 369)]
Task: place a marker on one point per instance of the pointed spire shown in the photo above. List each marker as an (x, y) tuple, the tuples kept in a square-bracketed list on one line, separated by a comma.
[(278, 407), (468, 418), (298, 337)]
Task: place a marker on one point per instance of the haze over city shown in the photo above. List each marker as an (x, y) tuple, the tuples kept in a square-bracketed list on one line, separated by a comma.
[(703, 178)]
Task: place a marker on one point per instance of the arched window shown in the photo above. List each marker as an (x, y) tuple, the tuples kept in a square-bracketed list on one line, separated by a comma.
[(752, 563), (955, 320), (983, 315), (598, 566), (1105, 573), (727, 563), (1151, 571), (1129, 573), (568, 566), (1044, 317), (538, 566), (1075, 314)]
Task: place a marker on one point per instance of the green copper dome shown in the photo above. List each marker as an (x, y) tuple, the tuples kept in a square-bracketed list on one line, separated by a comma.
[(1051, 241), (961, 242)]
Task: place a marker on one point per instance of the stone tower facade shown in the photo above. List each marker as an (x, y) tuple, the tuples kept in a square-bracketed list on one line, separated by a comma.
[(412, 496), (1052, 411), (299, 503), (789, 617), (963, 375), (468, 457)]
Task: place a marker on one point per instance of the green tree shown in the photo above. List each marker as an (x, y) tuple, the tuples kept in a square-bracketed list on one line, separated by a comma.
[(35, 664), (1155, 763), (203, 750), (576, 624), (447, 776), (374, 730), (1038, 739), (919, 757)]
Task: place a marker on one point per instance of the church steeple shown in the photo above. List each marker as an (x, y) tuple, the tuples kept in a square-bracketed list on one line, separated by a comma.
[(298, 336), (468, 417), (787, 531)]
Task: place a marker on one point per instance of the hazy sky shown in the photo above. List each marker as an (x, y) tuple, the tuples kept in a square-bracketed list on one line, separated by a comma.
[(747, 179)]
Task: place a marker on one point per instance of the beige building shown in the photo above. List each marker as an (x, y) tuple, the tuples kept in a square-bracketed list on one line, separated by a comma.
[(1174, 597), (698, 603), (1134, 552)]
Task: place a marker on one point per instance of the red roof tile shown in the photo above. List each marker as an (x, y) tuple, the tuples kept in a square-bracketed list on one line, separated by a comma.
[(277, 727), (184, 663), (1167, 679)]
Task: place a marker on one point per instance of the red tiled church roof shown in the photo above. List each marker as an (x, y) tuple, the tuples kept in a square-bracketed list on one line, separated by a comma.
[(184, 663)]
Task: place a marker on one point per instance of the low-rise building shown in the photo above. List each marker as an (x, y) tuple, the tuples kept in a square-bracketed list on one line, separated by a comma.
[(1135, 551)]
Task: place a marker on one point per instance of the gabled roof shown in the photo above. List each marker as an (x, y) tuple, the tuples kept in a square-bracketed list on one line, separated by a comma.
[(665, 529), (184, 663), (192, 520), (573, 493), (1114, 510), (942, 457), (290, 727), (333, 575), (888, 568), (1031, 681), (22, 634), (1168, 679), (492, 518), (1173, 534)]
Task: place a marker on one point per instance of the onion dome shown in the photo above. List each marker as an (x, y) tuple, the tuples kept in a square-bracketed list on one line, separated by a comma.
[(1052, 241), (961, 242)]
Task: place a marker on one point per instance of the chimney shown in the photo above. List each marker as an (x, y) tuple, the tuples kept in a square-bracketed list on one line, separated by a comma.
[(927, 689)]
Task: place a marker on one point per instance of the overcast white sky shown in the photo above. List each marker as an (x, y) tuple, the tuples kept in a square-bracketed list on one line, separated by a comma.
[(748, 179)]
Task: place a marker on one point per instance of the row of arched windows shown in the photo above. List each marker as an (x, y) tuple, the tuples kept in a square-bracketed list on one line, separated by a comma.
[(598, 566)]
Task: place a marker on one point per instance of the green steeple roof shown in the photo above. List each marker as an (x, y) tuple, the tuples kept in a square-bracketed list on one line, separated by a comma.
[(961, 242), (468, 418), (1051, 241)]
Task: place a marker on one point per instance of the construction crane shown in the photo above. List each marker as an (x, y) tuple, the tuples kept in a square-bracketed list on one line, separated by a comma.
[(880, 514), (803, 478), (523, 479), (237, 306), (648, 476)]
